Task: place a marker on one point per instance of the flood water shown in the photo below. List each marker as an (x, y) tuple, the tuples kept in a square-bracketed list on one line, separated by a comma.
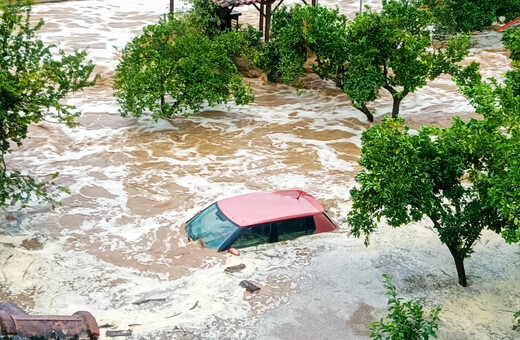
[(117, 238)]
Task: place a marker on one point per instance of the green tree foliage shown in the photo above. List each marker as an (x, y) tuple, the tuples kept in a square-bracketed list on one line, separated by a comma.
[(511, 40), (517, 317), (495, 140), (390, 50), (34, 78), (173, 68), (205, 17), (295, 33), (464, 178), (454, 16), (463, 15), (406, 319), (510, 9), (513, 77)]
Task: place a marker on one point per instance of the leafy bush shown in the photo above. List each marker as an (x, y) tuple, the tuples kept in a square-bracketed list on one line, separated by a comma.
[(454, 16), (511, 41), (204, 17), (173, 69), (406, 320), (390, 50), (510, 9), (513, 77), (283, 57)]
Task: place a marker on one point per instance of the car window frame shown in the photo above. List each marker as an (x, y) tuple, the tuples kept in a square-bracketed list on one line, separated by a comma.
[(236, 235)]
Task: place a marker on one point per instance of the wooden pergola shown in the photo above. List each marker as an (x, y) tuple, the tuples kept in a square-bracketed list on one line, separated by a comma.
[(264, 7)]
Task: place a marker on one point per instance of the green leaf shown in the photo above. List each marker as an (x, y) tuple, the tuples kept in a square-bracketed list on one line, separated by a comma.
[(33, 84)]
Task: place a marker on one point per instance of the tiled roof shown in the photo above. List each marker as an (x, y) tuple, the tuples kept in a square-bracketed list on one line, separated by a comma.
[(231, 3)]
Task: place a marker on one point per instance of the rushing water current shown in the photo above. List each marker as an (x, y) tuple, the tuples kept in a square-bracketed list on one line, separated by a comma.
[(117, 239)]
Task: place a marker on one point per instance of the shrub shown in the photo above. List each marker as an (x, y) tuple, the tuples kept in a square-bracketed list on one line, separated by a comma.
[(510, 9), (406, 320), (454, 16)]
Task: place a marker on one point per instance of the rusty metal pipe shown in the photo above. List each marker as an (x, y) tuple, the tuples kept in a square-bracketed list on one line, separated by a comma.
[(14, 321)]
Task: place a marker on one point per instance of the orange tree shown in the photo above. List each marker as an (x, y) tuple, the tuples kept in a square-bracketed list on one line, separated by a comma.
[(176, 67), (389, 50), (464, 178)]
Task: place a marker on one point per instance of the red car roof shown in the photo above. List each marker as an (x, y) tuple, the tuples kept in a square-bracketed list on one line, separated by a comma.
[(263, 207)]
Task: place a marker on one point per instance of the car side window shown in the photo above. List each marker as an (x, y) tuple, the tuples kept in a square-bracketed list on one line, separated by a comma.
[(253, 236), (295, 227), (275, 231)]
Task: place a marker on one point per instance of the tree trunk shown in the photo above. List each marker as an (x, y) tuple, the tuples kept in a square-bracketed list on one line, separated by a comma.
[(3, 150), (162, 105), (459, 264), (366, 111), (395, 107), (397, 97)]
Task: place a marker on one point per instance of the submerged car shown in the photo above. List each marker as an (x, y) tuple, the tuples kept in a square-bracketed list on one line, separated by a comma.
[(256, 218)]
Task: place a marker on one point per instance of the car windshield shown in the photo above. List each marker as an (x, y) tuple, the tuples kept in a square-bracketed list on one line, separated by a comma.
[(211, 226)]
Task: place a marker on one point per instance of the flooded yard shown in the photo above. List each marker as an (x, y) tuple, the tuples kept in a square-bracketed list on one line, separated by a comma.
[(118, 237)]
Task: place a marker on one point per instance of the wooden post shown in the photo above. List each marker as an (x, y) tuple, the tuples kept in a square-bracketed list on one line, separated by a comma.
[(262, 13), (171, 6), (314, 2), (267, 21)]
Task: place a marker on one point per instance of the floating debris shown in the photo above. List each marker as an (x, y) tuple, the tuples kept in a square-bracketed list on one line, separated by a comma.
[(107, 325), (249, 286), (140, 302), (234, 269), (112, 334)]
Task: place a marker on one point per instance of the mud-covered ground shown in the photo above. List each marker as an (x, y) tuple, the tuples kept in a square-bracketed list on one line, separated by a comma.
[(117, 239)]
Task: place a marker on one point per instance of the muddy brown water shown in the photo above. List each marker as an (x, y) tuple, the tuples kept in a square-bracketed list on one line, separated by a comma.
[(118, 236)]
